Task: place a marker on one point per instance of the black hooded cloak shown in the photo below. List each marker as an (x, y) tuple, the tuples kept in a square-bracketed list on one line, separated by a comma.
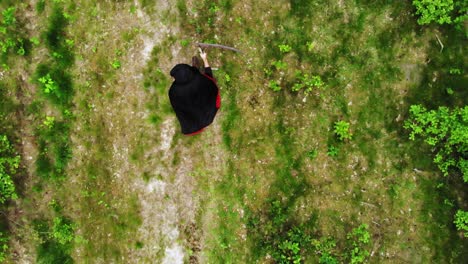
[(194, 98)]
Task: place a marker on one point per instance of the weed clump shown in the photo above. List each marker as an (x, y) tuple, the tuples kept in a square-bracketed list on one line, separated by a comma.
[(341, 130), (447, 131), (278, 236), (12, 40), (56, 242), (441, 12), (54, 149), (307, 82), (3, 246), (9, 163), (358, 239), (55, 84), (461, 221), (55, 38)]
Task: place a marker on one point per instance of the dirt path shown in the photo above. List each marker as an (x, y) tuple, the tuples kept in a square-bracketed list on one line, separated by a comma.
[(169, 199)]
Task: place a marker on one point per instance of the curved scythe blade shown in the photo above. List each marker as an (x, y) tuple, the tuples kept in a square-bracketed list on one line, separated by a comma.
[(206, 45)]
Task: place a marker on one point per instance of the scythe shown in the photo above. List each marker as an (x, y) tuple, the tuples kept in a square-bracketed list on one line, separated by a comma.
[(207, 45)]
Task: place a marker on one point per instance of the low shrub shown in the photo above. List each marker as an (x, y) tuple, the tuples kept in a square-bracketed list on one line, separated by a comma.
[(461, 221), (3, 246), (278, 236), (441, 11), (55, 84), (12, 40), (56, 242), (54, 150), (446, 131), (56, 38), (341, 130), (358, 239), (9, 162)]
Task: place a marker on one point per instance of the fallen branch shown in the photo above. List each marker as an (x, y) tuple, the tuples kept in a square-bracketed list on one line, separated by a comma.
[(207, 45), (369, 204), (440, 42)]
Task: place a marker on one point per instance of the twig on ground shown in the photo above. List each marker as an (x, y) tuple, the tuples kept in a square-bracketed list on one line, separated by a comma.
[(369, 204), (440, 42)]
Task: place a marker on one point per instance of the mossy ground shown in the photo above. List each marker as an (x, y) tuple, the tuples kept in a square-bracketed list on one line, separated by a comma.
[(139, 191)]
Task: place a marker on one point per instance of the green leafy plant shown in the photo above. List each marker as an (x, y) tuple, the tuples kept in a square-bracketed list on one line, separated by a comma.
[(283, 240), (57, 55), (455, 71), (274, 85), (325, 247), (184, 42), (54, 150), (118, 52), (55, 243), (21, 51), (441, 11), (358, 239), (341, 129), (463, 166), (139, 245), (10, 35), (116, 64), (55, 83), (284, 48), (332, 151), (70, 43), (277, 213), (49, 122), (68, 16), (63, 231), (48, 85), (227, 78), (444, 129), (268, 72), (279, 65), (309, 82), (3, 246), (9, 163), (9, 16), (394, 190), (461, 221), (213, 8), (312, 154), (289, 249), (40, 6), (448, 202), (56, 37)]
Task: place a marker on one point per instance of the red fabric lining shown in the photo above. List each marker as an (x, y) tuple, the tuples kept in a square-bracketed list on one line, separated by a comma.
[(218, 97), (195, 133)]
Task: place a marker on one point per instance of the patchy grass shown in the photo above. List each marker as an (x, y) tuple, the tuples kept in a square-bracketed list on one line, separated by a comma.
[(269, 178), (356, 48)]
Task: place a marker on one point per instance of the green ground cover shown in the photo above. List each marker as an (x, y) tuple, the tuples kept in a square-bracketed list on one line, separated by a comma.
[(308, 161)]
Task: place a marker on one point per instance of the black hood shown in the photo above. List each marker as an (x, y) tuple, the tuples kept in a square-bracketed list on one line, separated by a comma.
[(183, 73)]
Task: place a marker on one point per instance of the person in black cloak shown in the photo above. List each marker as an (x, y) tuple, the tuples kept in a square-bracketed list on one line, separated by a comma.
[(194, 96)]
